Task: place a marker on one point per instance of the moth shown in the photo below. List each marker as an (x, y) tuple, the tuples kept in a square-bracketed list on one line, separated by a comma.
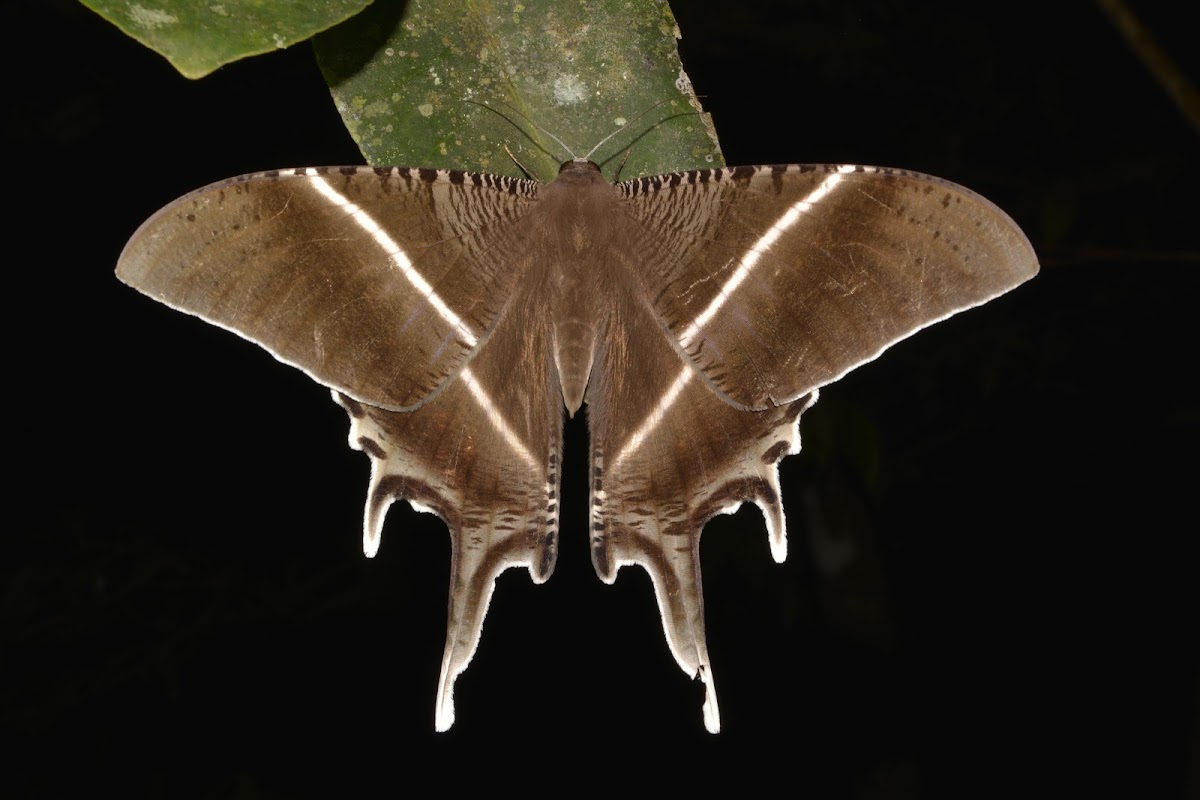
[(456, 316)]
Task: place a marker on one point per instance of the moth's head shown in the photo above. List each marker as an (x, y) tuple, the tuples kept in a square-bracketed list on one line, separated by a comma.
[(579, 172)]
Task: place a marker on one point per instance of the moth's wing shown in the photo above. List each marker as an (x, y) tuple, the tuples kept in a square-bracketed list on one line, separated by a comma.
[(778, 280), (483, 455), (378, 283), (713, 354), (667, 455), (404, 290)]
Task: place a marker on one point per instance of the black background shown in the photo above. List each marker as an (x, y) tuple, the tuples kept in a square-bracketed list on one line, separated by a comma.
[(1006, 500)]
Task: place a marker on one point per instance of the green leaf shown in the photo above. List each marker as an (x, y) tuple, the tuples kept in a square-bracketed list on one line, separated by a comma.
[(407, 78), (402, 79), (198, 37)]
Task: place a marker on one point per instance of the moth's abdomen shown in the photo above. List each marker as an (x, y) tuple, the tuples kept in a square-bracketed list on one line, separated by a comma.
[(574, 352)]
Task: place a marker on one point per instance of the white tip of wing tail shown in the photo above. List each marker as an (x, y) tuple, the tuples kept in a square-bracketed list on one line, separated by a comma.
[(778, 539), (776, 525), (370, 544), (376, 511), (712, 714), (443, 718), (374, 515)]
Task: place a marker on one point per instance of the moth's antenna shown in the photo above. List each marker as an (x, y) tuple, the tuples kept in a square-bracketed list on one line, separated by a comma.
[(621, 166), (560, 142), (527, 119), (638, 116), (516, 161)]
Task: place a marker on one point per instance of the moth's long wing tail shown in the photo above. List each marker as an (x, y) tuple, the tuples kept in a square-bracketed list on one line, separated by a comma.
[(668, 454), (484, 456), (500, 514)]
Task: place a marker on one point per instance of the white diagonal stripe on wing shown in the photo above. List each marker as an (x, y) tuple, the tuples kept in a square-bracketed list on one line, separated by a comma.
[(751, 256), (395, 253), (497, 419), (400, 259), (656, 416)]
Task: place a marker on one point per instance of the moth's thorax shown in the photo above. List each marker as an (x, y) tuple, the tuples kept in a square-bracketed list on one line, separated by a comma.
[(580, 211)]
